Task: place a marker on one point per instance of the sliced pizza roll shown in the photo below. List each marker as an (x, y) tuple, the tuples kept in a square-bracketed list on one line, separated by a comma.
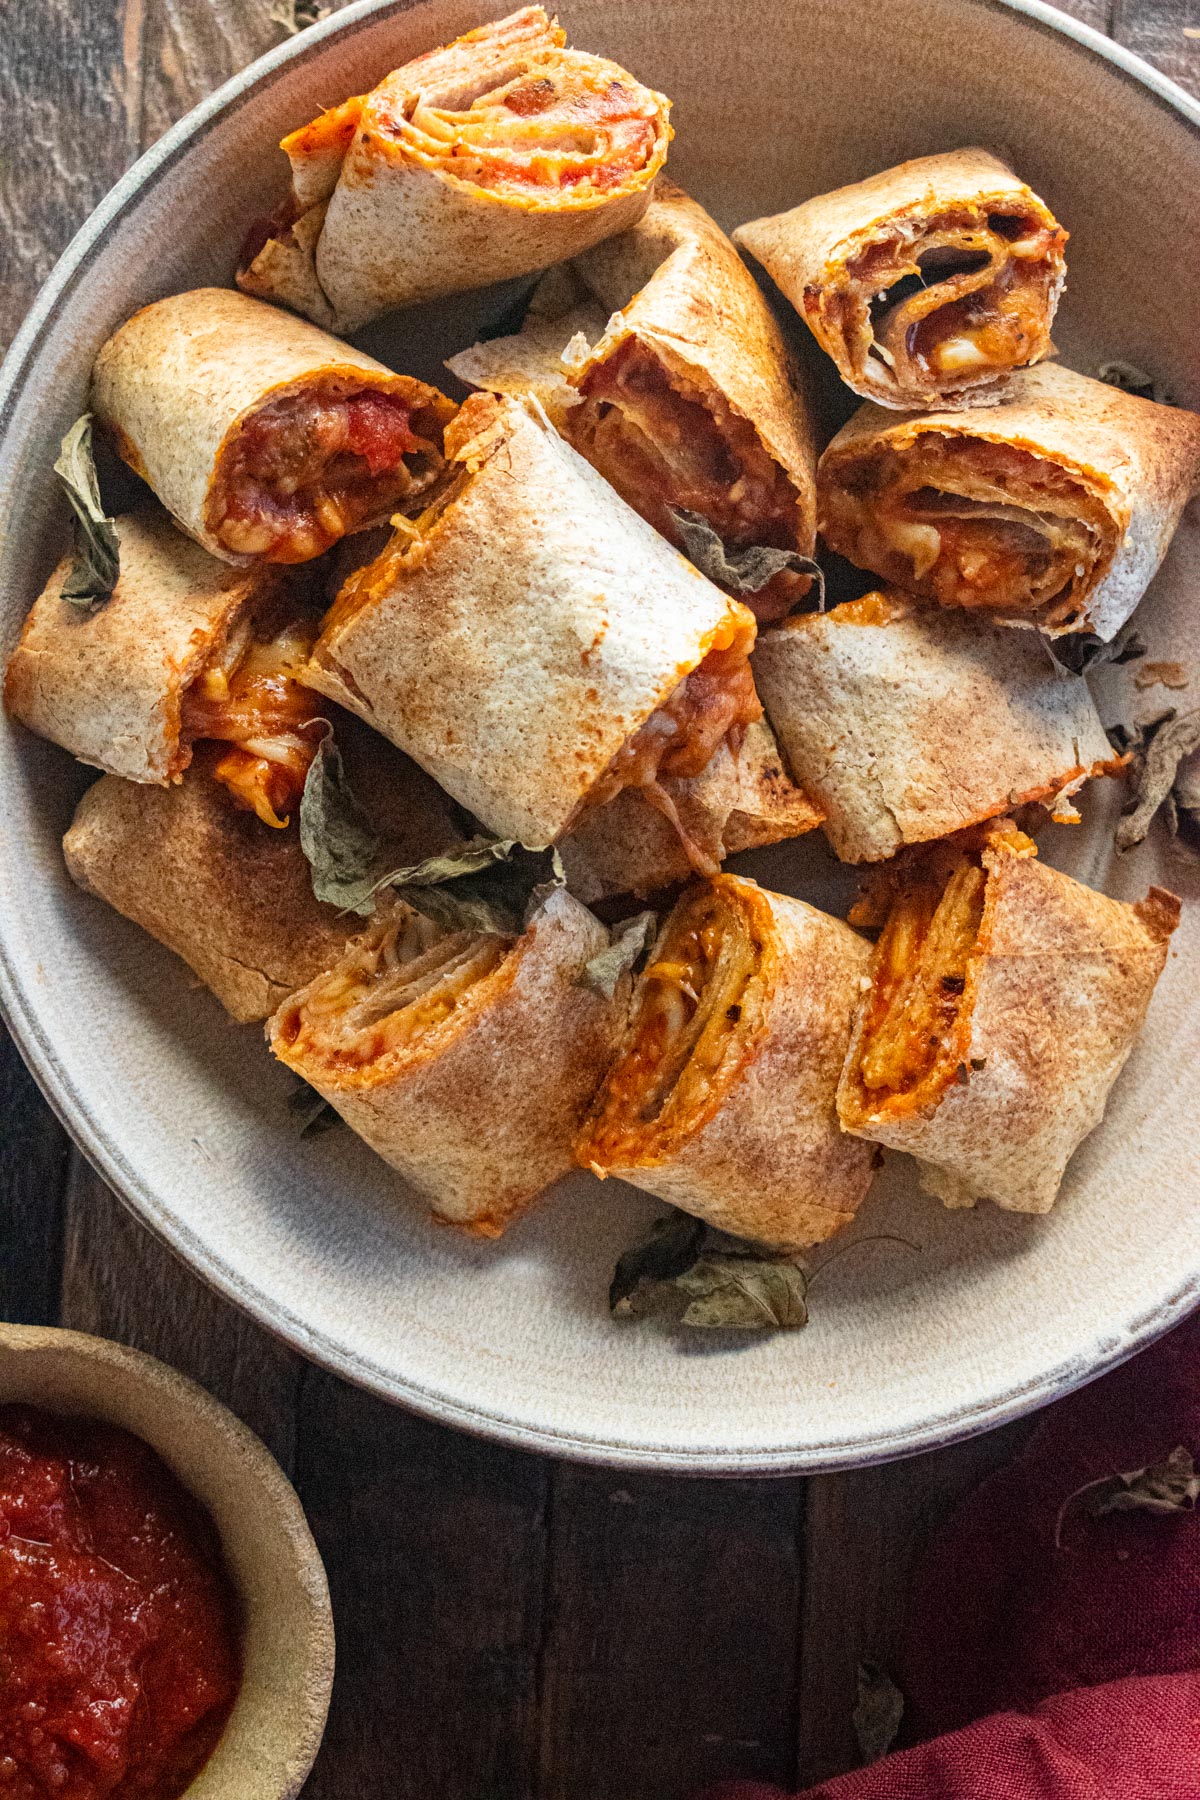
[(532, 643), (466, 1060), (905, 723), (686, 397), (721, 1098), (927, 284), (1004, 1001), (497, 154), (266, 438), (1052, 509)]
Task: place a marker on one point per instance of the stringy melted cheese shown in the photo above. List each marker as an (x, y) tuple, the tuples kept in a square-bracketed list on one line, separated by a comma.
[(695, 1016), (397, 988)]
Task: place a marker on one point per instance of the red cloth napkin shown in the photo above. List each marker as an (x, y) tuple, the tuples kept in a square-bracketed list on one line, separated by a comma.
[(1079, 1664)]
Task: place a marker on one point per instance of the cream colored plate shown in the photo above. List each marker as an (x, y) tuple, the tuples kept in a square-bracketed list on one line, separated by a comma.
[(184, 1113)]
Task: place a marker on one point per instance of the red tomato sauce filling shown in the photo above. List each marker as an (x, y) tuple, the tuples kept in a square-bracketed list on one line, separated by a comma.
[(304, 470), (119, 1629)]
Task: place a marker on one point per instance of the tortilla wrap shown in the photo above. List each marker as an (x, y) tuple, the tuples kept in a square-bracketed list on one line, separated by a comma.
[(467, 1062), (995, 1027), (927, 284), (905, 723), (109, 685), (262, 435), (1053, 508), (500, 153), (721, 1099), (516, 639), (688, 396)]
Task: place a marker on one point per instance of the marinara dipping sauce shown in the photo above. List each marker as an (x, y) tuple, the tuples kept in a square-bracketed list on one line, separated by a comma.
[(119, 1627)]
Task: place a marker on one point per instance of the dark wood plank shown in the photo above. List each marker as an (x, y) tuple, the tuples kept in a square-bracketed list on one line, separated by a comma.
[(435, 1547), (33, 1167), (1157, 29), (1096, 13), (67, 134), (669, 1659), (120, 1282), (864, 1533)]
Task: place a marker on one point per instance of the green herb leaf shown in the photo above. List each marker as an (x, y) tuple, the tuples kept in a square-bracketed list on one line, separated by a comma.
[(674, 1243), (1171, 1486), (877, 1713), (97, 562), (741, 571), (1081, 651), (629, 942), (1159, 747), (313, 1113), (489, 884), (1132, 380), (341, 848), (745, 1293)]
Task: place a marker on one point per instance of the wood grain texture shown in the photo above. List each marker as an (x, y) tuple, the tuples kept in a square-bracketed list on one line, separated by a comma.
[(1155, 29), (435, 1548), (669, 1655), (33, 1166), (121, 1283)]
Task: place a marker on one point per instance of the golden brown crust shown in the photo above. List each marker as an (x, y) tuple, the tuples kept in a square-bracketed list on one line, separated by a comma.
[(1058, 989), (108, 685), (813, 251), (1137, 460), (767, 1160), (480, 1118), (906, 723)]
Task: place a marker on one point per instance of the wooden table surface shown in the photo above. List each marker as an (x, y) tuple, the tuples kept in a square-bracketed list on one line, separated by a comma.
[(509, 1628)]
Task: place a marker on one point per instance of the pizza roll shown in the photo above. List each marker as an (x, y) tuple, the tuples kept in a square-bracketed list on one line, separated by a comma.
[(266, 438), (927, 284), (721, 1098), (1052, 509), (467, 1061), (688, 397), (1004, 1001), (741, 801), (532, 643), (905, 723), (497, 154)]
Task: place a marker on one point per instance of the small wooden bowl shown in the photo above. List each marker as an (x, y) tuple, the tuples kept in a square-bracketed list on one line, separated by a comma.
[(274, 1730)]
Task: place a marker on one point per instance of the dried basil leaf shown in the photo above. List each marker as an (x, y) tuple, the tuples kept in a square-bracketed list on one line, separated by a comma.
[(630, 940), (1157, 762), (97, 560), (877, 1713), (741, 571), (1132, 380), (487, 885), (745, 1293), (341, 847), (674, 1244), (1081, 651), (1171, 1486), (314, 1113)]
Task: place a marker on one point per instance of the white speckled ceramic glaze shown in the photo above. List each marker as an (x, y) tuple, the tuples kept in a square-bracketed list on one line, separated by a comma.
[(184, 1113), (274, 1730)]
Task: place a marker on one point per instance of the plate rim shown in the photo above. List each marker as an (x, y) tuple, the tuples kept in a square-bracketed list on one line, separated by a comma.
[(20, 1014)]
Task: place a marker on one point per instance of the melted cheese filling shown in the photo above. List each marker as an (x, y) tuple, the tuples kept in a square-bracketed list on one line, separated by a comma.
[(695, 1005), (249, 698), (303, 470), (972, 524), (964, 299), (566, 123), (397, 985), (662, 442)]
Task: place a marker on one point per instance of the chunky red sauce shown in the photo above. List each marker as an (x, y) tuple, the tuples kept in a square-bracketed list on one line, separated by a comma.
[(119, 1629)]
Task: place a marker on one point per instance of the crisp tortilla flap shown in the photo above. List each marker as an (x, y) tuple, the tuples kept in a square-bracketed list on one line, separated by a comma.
[(905, 723), (108, 685)]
